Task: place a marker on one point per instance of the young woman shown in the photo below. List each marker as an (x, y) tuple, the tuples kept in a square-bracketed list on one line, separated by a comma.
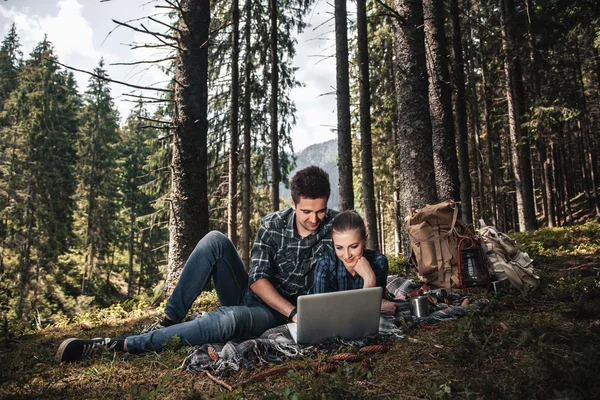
[(350, 265)]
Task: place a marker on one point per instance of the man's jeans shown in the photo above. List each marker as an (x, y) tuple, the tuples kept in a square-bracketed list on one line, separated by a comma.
[(242, 316)]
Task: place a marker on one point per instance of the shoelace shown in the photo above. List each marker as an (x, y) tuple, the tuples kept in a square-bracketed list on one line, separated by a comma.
[(155, 326), (90, 349)]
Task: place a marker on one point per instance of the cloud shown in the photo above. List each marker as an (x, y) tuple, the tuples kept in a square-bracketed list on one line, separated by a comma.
[(316, 118), (68, 30)]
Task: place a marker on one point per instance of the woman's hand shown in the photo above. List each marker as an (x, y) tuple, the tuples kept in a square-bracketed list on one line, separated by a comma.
[(389, 307), (363, 268)]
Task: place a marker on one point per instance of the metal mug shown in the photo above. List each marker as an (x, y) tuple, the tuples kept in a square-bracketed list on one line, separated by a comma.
[(420, 306)]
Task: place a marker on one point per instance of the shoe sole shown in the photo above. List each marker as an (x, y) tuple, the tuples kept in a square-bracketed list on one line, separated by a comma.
[(61, 350)]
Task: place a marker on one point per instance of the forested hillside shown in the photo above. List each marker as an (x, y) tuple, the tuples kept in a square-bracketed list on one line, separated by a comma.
[(495, 104)]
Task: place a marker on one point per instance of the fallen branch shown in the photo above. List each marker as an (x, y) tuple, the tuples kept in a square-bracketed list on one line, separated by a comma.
[(219, 382), (582, 266)]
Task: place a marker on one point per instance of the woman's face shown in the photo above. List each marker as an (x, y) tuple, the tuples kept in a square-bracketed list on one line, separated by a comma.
[(348, 246)]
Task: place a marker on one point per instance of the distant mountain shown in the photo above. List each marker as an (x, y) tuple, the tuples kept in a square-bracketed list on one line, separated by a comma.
[(323, 155)]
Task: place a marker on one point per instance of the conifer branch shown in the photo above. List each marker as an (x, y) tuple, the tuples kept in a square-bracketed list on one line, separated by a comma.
[(104, 78), (147, 97), (145, 30), (395, 13), (145, 61), (164, 24), (156, 120)]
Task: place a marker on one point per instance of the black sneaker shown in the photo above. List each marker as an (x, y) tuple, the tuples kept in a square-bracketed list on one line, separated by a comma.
[(76, 349)]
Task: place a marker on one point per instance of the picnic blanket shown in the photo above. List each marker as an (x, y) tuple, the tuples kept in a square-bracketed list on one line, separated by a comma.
[(277, 344)]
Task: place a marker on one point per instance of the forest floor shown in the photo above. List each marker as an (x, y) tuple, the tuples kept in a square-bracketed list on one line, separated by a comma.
[(539, 344)]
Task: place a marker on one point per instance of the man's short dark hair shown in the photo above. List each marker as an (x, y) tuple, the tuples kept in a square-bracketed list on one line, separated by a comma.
[(311, 182)]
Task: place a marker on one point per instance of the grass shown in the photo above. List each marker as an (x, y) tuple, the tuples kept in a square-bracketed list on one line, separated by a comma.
[(539, 344)]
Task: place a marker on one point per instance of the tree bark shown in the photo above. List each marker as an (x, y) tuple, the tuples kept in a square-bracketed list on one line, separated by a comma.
[(520, 155), (462, 139), (440, 102), (343, 107), (416, 172), (368, 188), (188, 221), (245, 237), (234, 133), (131, 241), (490, 139), (274, 109), (397, 225), (588, 156)]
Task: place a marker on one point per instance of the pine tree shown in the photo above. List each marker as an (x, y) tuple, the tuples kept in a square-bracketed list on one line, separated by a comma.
[(98, 192), (134, 147), (43, 110), (343, 107), (10, 59), (417, 175)]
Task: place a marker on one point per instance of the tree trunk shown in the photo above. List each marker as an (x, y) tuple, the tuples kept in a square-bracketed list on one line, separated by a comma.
[(343, 107), (245, 237), (131, 241), (462, 139), (25, 257), (397, 225), (188, 221), (365, 126), (567, 192), (549, 196), (417, 175), (382, 219), (520, 155), (490, 139), (274, 108), (234, 133), (142, 261), (589, 156), (440, 102)]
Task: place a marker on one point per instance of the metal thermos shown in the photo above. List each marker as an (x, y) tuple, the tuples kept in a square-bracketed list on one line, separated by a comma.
[(420, 306)]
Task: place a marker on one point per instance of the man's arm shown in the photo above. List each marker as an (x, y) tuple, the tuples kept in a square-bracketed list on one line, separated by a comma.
[(261, 271), (265, 290)]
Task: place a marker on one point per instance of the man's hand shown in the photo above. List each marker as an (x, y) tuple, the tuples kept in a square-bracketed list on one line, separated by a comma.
[(389, 307), (363, 268)]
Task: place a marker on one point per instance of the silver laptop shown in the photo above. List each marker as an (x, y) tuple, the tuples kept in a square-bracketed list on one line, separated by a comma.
[(349, 314)]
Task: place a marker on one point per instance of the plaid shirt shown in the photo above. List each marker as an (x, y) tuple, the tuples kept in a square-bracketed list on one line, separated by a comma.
[(332, 276), (285, 258)]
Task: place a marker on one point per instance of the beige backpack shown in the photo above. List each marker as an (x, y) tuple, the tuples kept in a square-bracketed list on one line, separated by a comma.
[(446, 254), (506, 259)]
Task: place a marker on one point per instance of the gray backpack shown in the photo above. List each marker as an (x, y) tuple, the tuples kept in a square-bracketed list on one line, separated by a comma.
[(506, 259)]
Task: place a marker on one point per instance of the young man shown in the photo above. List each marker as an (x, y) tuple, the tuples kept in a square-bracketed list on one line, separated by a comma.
[(283, 257)]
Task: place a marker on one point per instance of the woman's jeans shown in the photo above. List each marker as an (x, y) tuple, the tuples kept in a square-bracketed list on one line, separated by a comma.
[(242, 316)]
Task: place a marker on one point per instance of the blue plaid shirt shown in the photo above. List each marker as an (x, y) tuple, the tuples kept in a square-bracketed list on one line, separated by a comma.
[(332, 276), (284, 257)]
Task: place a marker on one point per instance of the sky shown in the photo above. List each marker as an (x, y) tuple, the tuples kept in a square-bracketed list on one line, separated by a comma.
[(82, 32)]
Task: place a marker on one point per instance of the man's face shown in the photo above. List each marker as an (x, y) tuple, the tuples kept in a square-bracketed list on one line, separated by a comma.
[(309, 214)]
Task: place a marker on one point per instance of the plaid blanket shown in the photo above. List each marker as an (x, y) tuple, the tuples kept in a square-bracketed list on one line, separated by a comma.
[(277, 344)]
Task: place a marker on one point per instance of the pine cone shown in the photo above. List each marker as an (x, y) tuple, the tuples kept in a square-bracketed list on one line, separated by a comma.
[(365, 364), (212, 353), (86, 326), (379, 348), (346, 357), (326, 367)]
